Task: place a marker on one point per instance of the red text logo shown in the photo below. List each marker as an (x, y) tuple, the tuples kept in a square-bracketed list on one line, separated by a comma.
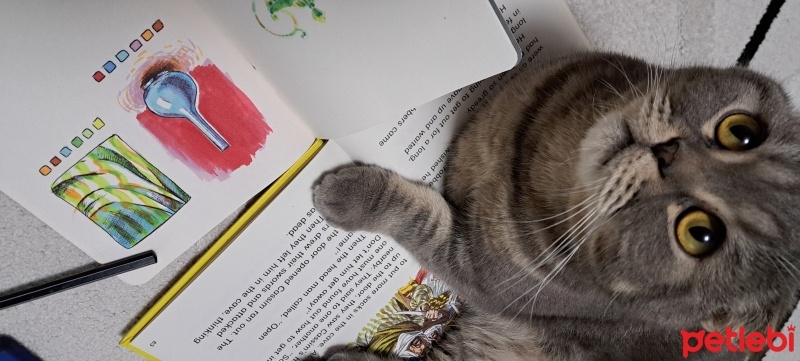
[(737, 341)]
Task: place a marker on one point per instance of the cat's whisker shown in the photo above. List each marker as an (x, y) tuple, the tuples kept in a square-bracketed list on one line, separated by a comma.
[(653, 77), (782, 268), (658, 74), (572, 253), (634, 88), (590, 189), (575, 250), (786, 264), (779, 267), (575, 153), (664, 38), (612, 89), (606, 106), (578, 189), (559, 267), (560, 264), (564, 240), (674, 47), (768, 250), (563, 264), (592, 200), (616, 294), (589, 149), (789, 263), (547, 253)]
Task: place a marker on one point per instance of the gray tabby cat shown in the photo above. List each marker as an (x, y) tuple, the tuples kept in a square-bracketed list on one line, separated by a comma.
[(599, 206)]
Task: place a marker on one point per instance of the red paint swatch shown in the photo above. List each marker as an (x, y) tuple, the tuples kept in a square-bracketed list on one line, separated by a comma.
[(98, 76), (229, 111)]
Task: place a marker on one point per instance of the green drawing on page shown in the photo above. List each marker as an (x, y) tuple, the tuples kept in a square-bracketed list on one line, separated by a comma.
[(120, 191), (277, 8)]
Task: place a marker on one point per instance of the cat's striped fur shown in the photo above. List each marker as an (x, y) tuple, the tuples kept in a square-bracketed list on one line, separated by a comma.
[(557, 225)]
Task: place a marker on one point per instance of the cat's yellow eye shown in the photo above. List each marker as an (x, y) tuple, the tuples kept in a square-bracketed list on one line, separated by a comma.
[(699, 232), (739, 132)]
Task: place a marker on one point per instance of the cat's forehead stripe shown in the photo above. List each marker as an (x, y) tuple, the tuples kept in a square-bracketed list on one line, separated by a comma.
[(746, 103), (713, 203), (703, 96), (744, 214)]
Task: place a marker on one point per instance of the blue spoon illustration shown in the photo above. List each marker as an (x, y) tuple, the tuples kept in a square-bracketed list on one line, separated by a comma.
[(173, 94)]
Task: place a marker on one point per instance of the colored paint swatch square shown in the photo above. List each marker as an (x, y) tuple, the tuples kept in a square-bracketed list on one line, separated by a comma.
[(158, 25), (109, 66), (55, 161), (147, 35), (87, 133), (136, 45), (45, 170), (77, 142), (98, 76), (122, 55), (65, 152), (120, 191), (98, 123)]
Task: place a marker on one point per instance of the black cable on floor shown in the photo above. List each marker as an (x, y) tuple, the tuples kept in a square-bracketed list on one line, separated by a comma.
[(750, 49)]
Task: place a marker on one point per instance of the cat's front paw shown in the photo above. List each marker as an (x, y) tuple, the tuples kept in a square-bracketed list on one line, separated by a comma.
[(351, 197)]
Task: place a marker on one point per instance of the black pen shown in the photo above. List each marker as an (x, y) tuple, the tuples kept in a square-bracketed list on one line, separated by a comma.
[(107, 270)]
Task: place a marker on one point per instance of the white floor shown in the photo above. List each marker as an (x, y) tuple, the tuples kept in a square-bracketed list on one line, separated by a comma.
[(87, 323)]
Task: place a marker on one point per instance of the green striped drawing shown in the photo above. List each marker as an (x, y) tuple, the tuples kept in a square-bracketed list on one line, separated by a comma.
[(120, 191)]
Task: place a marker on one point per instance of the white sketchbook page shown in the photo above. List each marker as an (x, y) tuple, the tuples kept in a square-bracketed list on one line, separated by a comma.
[(415, 144), (368, 60), (288, 286), (51, 53)]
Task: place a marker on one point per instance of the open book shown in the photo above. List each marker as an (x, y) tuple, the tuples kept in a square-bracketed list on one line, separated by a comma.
[(290, 285), (135, 126)]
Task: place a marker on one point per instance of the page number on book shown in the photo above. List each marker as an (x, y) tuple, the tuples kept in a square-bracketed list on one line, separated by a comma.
[(152, 344)]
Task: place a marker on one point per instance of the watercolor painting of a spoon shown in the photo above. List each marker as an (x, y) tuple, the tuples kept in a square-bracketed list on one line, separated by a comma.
[(173, 94)]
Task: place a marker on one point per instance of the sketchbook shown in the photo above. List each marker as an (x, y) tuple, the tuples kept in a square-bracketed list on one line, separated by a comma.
[(135, 126), (282, 284)]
